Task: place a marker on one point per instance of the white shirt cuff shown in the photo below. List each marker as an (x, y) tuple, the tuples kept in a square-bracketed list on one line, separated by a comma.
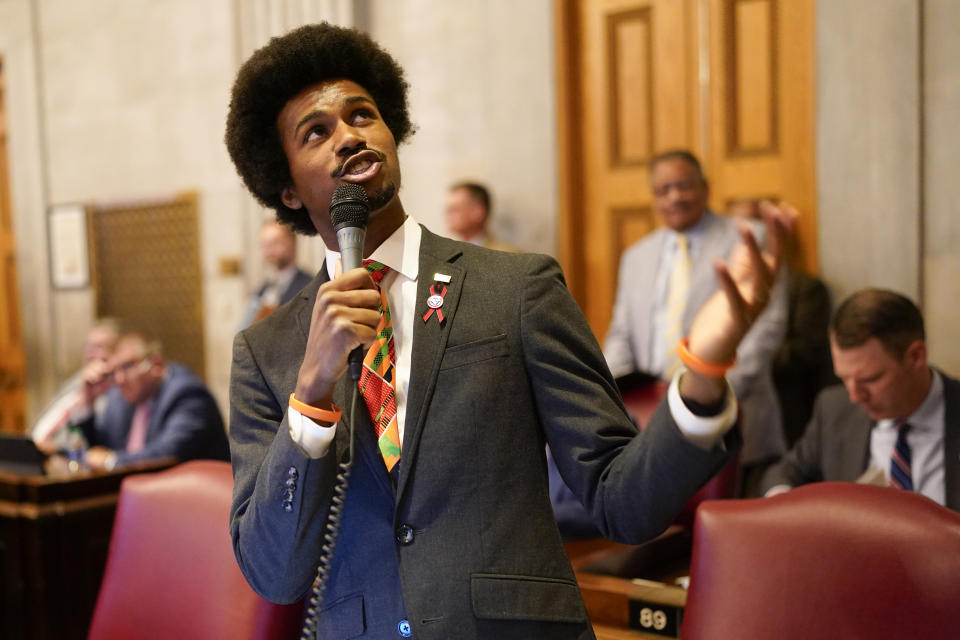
[(312, 438), (704, 431)]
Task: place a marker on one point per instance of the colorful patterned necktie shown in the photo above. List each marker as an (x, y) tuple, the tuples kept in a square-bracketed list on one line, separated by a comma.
[(378, 379), (900, 474), (678, 289)]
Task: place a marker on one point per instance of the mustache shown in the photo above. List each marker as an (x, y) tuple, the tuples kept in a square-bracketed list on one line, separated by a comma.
[(338, 172)]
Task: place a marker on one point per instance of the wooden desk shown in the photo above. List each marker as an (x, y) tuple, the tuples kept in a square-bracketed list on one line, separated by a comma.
[(54, 535), (627, 588)]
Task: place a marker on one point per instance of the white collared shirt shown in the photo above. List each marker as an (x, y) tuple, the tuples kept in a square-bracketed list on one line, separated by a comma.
[(401, 252), (926, 443)]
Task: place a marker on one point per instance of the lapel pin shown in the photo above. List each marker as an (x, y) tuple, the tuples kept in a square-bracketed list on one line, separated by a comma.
[(435, 301), (441, 277)]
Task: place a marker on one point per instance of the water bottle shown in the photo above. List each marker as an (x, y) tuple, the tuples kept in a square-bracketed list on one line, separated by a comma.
[(76, 451)]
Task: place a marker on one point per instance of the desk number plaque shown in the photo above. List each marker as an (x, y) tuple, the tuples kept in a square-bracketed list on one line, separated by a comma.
[(655, 618)]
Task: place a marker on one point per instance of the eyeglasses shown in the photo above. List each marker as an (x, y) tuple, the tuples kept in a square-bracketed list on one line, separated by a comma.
[(131, 365), (683, 186)]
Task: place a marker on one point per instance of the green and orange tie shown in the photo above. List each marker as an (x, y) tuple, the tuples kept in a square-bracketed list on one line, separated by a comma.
[(378, 381)]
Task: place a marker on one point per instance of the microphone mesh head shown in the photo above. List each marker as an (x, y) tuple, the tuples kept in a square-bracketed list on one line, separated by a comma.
[(349, 207)]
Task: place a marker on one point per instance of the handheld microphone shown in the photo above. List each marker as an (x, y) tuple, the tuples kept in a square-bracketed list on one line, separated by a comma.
[(349, 211)]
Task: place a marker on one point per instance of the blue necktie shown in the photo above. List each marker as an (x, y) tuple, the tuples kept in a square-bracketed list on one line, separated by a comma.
[(900, 475)]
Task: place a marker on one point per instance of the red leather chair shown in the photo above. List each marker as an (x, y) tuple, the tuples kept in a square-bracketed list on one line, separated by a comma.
[(171, 572), (825, 561)]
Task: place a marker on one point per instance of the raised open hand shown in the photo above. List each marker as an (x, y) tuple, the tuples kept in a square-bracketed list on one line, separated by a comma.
[(746, 280)]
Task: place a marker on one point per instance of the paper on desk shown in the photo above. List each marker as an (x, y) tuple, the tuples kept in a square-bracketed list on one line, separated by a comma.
[(874, 476)]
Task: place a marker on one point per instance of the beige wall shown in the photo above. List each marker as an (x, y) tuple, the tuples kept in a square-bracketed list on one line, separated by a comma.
[(117, 99), (120, 99), (887, 151), (941, 188), (482, 94), (130, 101)]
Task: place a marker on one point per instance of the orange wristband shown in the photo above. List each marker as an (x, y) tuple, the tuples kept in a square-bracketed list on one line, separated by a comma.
[(315, 413), (710, 369)]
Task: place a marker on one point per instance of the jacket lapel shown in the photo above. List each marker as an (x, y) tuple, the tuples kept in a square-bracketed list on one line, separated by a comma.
[(951, 441), (429, 340)]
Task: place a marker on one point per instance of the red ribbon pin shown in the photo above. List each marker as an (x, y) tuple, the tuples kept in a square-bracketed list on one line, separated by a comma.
[(435, 301)]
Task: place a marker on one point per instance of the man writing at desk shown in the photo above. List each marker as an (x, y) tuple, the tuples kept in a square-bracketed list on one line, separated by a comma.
[(154, 409), (894, 420), (447, 530)]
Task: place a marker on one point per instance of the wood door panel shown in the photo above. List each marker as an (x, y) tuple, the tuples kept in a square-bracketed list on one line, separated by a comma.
[(12, 363), (761, 109), (626, 43), (730, 80)]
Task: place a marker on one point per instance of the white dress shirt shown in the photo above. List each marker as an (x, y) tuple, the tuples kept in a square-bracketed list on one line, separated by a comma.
[(926, 443)]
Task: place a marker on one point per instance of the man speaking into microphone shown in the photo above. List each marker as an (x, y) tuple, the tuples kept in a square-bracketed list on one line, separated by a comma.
[(473, 361)]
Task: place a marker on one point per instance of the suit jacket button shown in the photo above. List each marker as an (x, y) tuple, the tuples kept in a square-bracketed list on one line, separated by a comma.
[(405, 534), (403, 628), (293, 473)]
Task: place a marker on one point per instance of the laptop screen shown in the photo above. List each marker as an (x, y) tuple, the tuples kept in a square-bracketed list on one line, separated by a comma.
[(20, 455)]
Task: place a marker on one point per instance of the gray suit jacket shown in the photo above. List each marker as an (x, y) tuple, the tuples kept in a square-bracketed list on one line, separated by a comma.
[(836, 444), (300, 280), (627, 346), (466, 545)]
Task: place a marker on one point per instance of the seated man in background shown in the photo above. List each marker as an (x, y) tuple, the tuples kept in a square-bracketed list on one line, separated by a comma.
[(279, 248), (153, 409), (898, 419), (468, 215), (48, 431)]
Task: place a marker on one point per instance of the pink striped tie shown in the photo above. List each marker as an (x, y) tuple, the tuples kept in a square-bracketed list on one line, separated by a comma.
[(138, 428)]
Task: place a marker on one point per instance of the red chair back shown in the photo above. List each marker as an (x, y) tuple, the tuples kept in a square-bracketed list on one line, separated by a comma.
[(171, 572), (825, 561)]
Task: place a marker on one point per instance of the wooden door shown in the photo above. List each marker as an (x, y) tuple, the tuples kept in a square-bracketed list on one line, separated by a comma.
[(730, 80), (12, 392), (761, 137)]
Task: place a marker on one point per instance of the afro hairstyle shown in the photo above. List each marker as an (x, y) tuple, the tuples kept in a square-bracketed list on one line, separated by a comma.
[(281, 69)]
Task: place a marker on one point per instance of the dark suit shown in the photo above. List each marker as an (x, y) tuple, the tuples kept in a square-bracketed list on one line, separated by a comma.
[(466, 546), (254, 305), (185, 422), (802, 365), (300, 280), (836, 443)]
